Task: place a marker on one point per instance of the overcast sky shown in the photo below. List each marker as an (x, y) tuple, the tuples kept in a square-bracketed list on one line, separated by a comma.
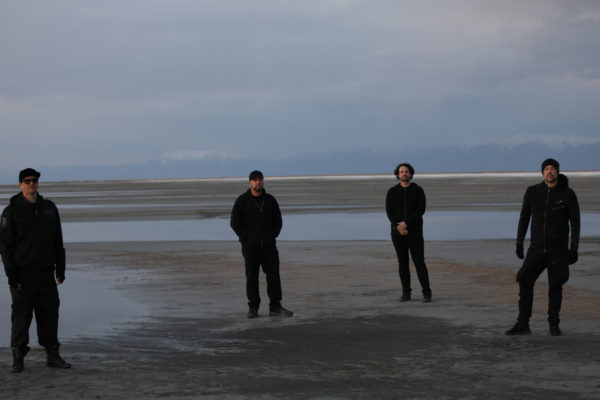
[(117, 81)]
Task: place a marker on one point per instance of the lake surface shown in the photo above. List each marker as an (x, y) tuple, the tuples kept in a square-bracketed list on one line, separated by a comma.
[(438, 225)]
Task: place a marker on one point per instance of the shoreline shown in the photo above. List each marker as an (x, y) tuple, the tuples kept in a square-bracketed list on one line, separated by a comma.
[(243, 179)]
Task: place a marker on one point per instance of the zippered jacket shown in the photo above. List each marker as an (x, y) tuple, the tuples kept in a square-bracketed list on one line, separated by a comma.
[(31, 240), (406, 204), (256, 220), (552, 212)]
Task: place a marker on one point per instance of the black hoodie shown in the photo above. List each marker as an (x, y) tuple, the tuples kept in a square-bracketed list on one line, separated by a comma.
[(31, 239), (551, 211), (256, 220)]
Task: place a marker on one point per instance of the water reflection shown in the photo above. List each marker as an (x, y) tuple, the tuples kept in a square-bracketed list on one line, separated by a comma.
[(439, 225), (89, 307)]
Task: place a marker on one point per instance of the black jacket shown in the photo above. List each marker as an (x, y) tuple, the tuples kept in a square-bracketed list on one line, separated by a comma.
[(256, 220), (31, 240), (408, 205), (551, 210)]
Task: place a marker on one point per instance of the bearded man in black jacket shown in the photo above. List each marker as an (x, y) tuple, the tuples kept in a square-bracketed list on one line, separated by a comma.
[(256, 220), (405, 206), (552, 207), (32, 250)]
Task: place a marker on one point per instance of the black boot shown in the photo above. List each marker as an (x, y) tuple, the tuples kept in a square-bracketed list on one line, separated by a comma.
[(553, 322), (520, 328), (19, 359), (427, 296), (555, 330), (405, 296), (53, 359)]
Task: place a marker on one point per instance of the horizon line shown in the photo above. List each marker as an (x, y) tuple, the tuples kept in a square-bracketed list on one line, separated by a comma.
[(424, 175)]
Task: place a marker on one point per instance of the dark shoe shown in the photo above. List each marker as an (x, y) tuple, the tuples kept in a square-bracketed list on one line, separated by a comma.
[(252, 313), (427, 299), (555, 330), (520, 328), (280, 312), (405, 297), (19, 359), (53, 359)]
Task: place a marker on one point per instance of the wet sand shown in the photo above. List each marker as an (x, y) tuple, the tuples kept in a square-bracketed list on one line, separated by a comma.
[(207, 198), (350, 337)]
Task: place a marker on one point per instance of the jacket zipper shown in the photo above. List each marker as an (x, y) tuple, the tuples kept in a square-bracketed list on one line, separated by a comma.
[(260, 209), (546, 217)]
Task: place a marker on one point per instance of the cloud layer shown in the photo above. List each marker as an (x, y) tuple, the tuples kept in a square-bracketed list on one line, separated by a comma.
[(129, 81)]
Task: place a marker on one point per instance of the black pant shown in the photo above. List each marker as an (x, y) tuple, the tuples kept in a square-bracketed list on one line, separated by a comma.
[(268, 257), (416, 245), (556, 261), (40, 296)]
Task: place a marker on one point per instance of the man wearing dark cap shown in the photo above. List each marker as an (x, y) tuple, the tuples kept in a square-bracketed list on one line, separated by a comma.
[(32, 250), (256, 220), (405, 206), (553, 210)]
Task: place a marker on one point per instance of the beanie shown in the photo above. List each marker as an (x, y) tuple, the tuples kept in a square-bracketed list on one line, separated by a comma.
[(256, 174), (550, 161)]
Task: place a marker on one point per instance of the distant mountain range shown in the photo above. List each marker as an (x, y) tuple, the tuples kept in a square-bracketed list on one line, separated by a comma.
[(483, 158)]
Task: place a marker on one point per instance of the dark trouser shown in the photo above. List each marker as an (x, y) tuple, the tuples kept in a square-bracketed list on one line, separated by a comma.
[(556, 262), (268, 257), (416, 245), (40, 296)]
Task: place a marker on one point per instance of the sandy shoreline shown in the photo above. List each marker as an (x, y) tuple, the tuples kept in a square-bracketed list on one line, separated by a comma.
[(349, 338)]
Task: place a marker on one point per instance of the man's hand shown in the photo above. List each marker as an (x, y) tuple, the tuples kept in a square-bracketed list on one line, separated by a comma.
[(401, 228), (520, 251), (60, 280), (13, 283), (573, 256)]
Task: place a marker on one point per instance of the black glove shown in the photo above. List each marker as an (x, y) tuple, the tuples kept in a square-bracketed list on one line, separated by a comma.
[(573, 256), (13, 282), (520, 251)]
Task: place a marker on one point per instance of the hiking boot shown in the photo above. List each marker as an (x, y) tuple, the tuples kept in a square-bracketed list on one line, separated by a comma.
[(520, 328), (280, 312), (19, 359), (252, 313), (53, 359), (555, 330)]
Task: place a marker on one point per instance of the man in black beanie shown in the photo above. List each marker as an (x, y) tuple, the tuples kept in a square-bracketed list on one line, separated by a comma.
[(256, 220), (32, 250), (553, 210)]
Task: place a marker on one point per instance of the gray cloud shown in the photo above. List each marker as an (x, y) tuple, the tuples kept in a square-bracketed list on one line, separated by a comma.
[(120, 81)]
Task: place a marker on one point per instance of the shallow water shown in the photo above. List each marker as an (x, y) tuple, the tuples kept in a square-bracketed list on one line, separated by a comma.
[(90, 306), (438, 225)]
